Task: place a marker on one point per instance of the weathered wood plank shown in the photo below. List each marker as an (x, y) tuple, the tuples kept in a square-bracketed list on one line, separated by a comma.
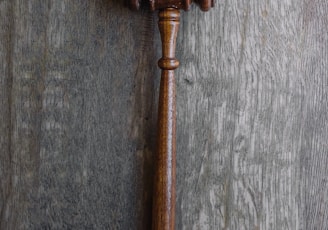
[(253, 117), (5, 108), (78, 86), (81, 116), (314, 146)]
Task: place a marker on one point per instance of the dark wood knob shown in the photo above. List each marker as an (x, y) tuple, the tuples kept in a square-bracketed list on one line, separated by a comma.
[(132, 4), (204, 5)]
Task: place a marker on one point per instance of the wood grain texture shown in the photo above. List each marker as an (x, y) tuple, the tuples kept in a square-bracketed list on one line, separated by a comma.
[(252, 121), (81, 102), (78, 89)]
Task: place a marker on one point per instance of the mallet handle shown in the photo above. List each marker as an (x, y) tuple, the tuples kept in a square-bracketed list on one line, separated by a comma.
[(164, 180)]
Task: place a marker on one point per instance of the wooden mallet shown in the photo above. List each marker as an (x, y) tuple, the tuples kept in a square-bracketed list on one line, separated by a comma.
[(163, 213)]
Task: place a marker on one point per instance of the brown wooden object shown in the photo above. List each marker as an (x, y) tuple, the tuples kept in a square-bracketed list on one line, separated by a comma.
[(163, 214), (164, 180)]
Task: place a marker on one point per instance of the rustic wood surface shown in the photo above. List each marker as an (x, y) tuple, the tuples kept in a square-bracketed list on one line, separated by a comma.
[(78, 92)]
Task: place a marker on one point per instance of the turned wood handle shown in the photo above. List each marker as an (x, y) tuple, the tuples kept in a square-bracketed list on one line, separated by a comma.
[(164, 181), (163, 214)]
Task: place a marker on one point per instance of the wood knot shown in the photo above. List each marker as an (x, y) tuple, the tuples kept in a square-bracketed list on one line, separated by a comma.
[(168, 63)]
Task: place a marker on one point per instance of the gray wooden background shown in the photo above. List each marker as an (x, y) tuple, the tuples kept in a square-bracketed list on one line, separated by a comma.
[(78, 92)]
